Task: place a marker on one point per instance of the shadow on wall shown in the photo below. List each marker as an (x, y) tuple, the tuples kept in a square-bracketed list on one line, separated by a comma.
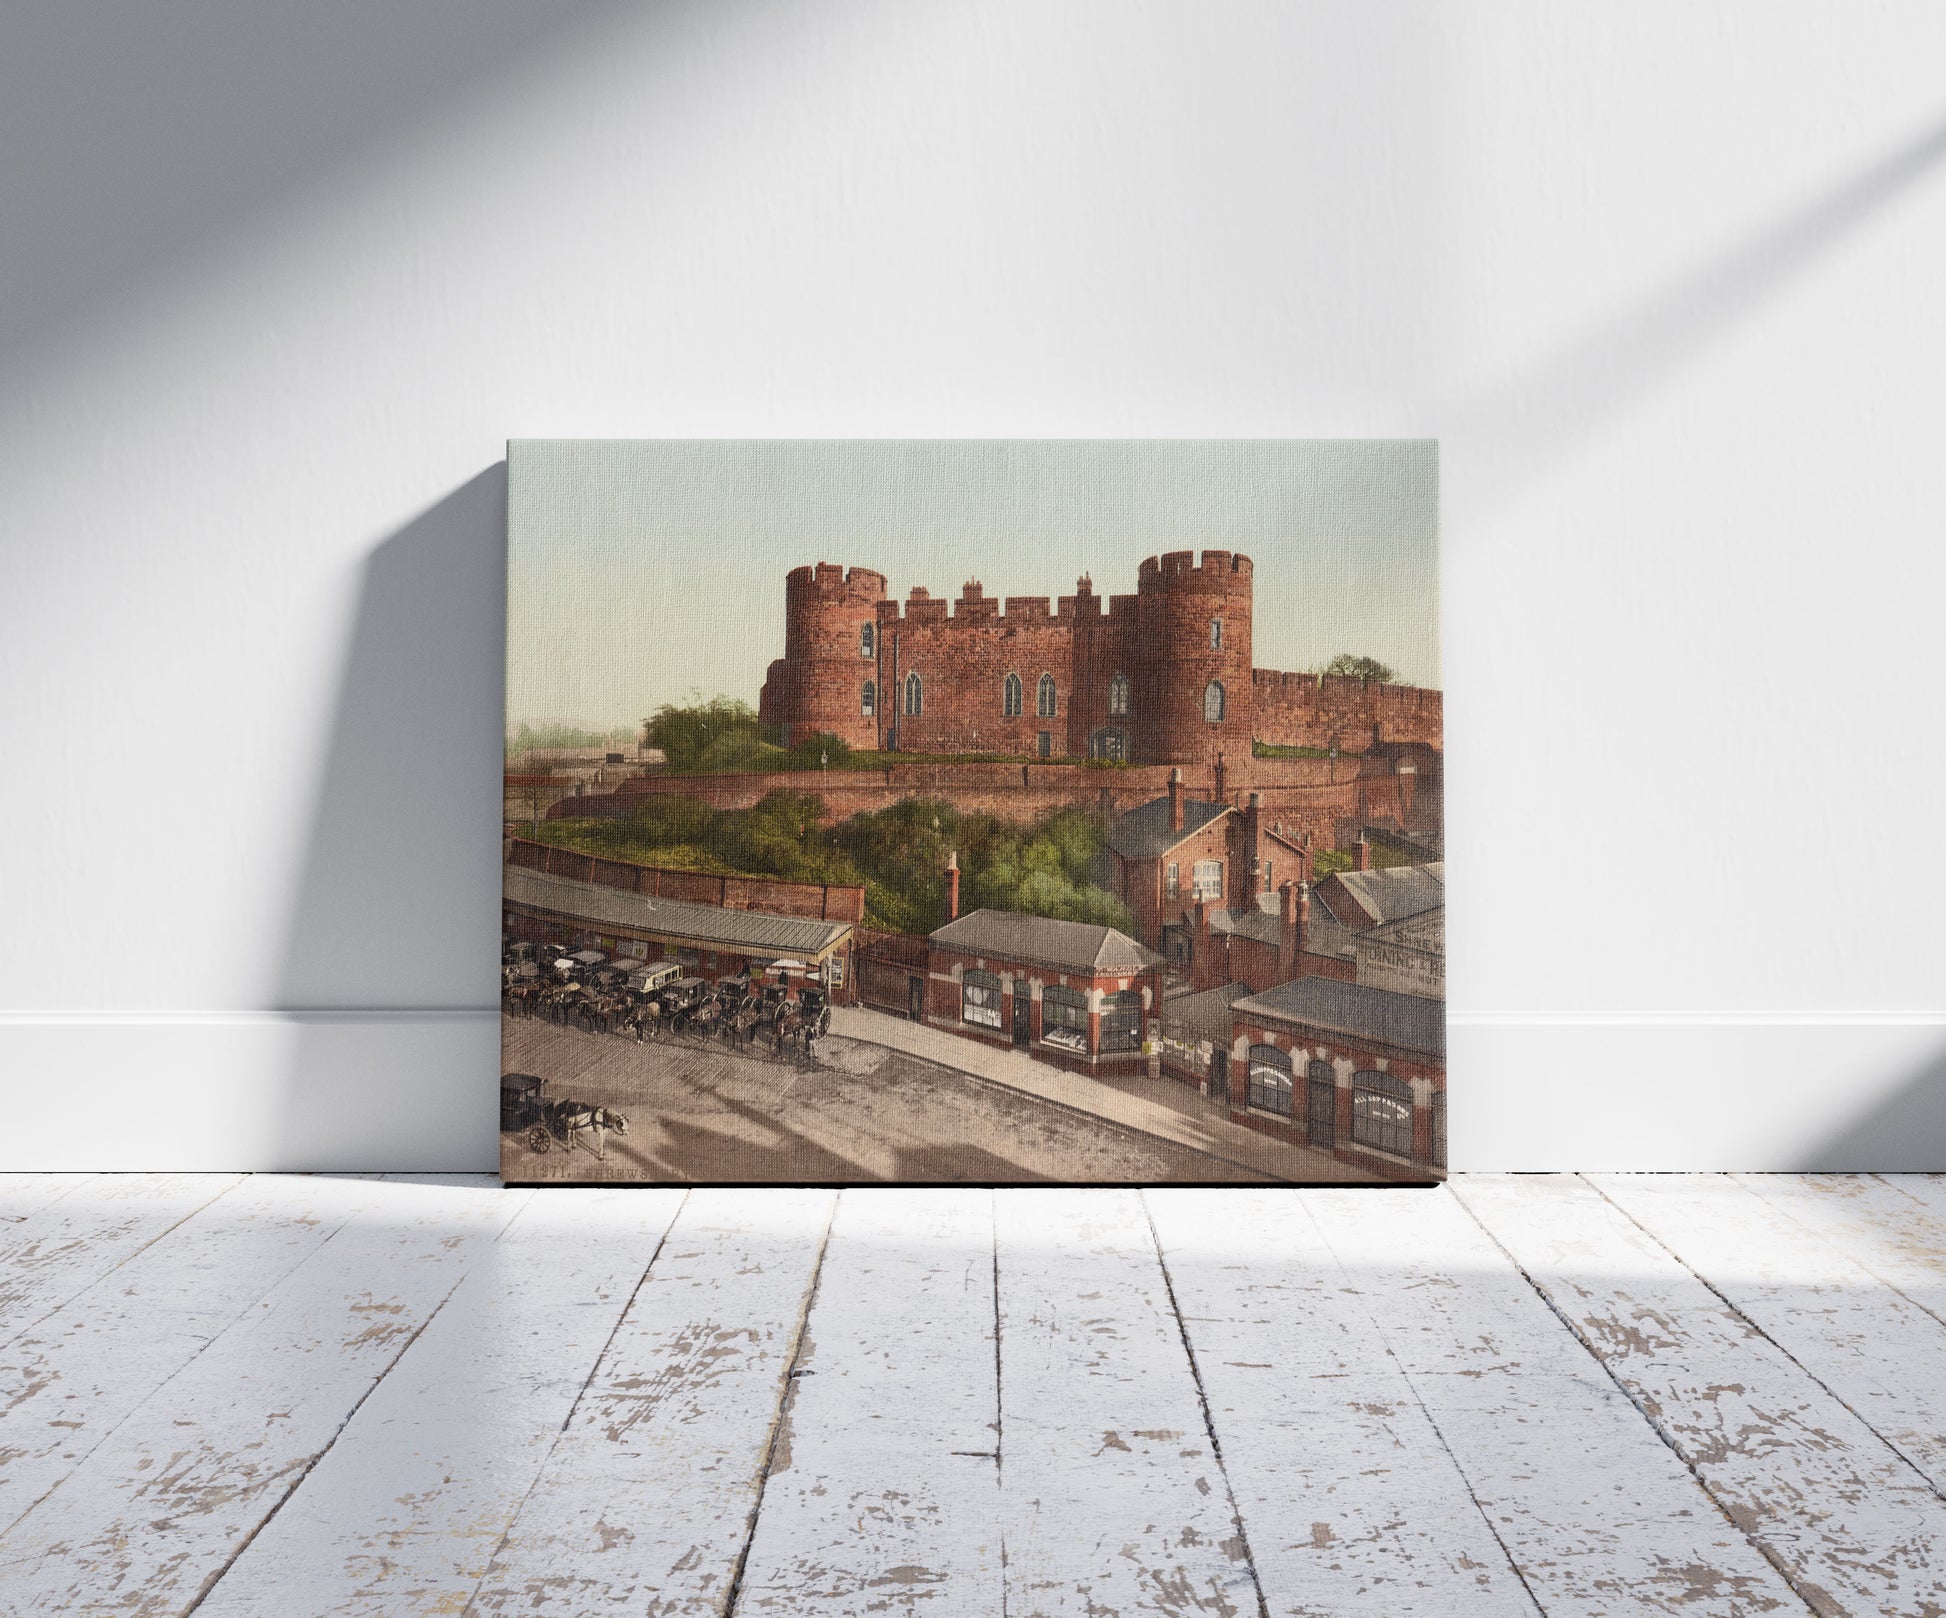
[(391, 955), (135, 139), (1903, 1131), (1552, 408)]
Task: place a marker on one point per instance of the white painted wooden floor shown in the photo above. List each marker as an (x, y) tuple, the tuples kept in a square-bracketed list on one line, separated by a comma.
[(1560, 1395)]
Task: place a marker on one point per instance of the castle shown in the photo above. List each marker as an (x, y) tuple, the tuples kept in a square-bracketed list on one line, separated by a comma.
[(1161, 676)]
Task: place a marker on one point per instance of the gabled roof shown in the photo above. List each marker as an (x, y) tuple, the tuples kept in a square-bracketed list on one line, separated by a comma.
[(1144, 834), (1406, 1022), (1070, 946), (1388, 895), (738, 932)]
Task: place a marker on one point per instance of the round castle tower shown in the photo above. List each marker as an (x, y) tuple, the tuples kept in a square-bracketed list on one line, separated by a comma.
[(830, 655), (1193, 692)]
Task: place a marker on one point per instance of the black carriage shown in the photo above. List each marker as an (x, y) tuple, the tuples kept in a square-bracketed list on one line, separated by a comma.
[(522, 1110)]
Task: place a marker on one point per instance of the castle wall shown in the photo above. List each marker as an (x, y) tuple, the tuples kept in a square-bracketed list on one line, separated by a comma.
[(1160, 639), (1307, 710)]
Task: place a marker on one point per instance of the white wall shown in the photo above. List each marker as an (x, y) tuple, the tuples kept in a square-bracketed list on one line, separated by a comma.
[(278, 282)]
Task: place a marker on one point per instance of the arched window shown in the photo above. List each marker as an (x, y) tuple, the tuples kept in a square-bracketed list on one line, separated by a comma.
[(1213, 702), (1270, 1080), (915, 696), (979, 999), (1381, 1112), (1064, 1018), (868, 700), (1118, 696), (1215, 633), (868, 641), (1121, 1021), (1010, 696), (1044, 697)]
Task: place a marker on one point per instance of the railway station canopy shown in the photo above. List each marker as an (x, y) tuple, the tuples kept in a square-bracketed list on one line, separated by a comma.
[(594, 907)]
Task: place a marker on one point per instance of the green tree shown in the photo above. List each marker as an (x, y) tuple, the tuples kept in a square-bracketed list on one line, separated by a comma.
[(685, 733), (1355, 667)]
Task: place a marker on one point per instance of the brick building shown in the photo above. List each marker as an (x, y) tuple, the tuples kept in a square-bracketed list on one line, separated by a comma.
[(1076, 995), (1346, 1068), (1163, 674)]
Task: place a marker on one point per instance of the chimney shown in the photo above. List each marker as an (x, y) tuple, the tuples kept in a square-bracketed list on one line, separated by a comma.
[(1175, 800), (1253, 849), (1220, 773), (952, 886), (1364, 857), (1202, 969), (1294, 917)]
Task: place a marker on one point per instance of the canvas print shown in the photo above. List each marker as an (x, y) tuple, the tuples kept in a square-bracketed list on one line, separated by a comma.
[(985, 812)]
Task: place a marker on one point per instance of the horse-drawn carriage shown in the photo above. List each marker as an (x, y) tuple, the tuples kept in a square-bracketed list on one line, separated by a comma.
[(525, 1111)]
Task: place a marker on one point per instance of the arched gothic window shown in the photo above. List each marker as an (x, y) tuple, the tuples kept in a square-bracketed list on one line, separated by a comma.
[(1044, 697), (915, 696), (1213, 702), (868, 702), (868, 641), (1118, 696), (1010, 697)]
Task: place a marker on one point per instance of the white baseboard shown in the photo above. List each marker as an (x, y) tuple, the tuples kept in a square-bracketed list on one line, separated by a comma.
[(405, 1090)]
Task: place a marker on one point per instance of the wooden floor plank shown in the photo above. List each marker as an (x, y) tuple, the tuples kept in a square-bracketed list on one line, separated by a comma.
[(1852, 1524), (1875, 1350), (64, 1246), (1599, 1516), (1893, 1224), (1349, 1498), (21, 1194), (645, 1504), (1113, 1500), (883, 1495), (157, 1510), (404, 1513), (72, 1378)]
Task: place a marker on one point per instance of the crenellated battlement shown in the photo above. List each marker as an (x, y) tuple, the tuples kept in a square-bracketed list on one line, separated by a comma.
[(1217, 572), (830, 581)]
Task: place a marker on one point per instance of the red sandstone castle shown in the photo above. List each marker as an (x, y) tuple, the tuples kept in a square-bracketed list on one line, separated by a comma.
[(1164, 675)]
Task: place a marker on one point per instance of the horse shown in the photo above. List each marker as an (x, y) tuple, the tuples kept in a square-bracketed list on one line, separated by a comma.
[(521, 994), (571, 1119)]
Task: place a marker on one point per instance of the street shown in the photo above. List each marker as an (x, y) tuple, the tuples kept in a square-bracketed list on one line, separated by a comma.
[(705, 1112)]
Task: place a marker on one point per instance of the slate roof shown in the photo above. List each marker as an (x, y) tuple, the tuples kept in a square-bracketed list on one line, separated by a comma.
[(736, 932), (1324, 934), (1404, 1021), (1388, 895), (1143, 833), (1205, 1015), (1072, 946)]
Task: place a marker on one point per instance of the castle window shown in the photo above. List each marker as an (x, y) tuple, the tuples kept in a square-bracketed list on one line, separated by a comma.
[(1118, 696), (1213, 702), (1010, 697), (868, 703), (1215, 633), (915, 696), (1044, 697), (868, 641)]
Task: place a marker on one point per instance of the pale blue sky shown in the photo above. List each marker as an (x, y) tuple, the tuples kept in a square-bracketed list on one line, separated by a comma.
[(642, 570)]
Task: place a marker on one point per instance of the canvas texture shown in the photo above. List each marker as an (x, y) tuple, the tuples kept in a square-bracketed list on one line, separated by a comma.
[(981, 812)]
